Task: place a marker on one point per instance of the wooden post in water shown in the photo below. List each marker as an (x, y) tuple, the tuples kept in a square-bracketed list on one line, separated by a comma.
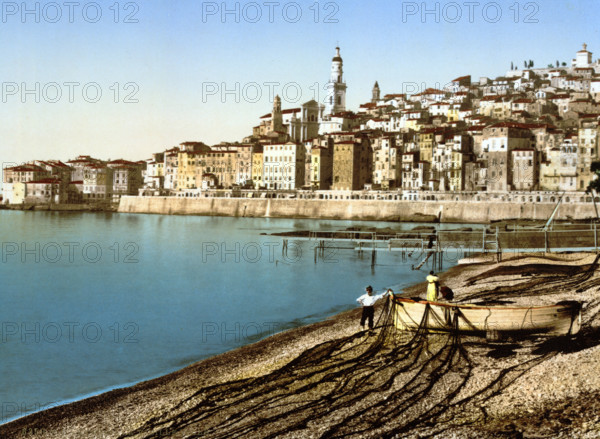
[(498, 257), (439, 250), (373, 255), (483, 242), (545, 241)]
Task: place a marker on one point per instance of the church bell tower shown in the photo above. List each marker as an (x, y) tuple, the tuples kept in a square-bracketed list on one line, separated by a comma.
[(336, 87), (376, 93), (276, 117)]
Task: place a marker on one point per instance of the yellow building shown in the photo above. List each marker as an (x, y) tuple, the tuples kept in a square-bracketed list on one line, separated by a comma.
[(425, 143), (188, 169), (456, 171), (97, 182), (321, 167), (413, 124), (221, 165), (257, 169), (550, 171), (454, 113), (588, 142), (15, 193)]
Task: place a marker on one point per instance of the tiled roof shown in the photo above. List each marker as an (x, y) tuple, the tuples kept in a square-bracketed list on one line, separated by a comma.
[(25, 168), (462, 78)]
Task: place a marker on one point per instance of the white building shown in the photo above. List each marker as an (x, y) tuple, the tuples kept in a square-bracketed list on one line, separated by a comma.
[(170, 168), (387, 163), (243, 175), (338, 122), (284, 166), (568, 166), (583, 58), (154, 174), (524, 169)]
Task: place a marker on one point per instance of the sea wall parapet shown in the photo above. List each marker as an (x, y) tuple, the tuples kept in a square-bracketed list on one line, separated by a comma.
[(357, 210)]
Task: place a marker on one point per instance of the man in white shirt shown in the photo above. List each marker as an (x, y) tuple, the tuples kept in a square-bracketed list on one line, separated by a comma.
[(367, 301)]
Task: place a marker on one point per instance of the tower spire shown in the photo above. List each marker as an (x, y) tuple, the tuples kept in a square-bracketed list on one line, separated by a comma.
[(376, 93), (276, 117), (336, 88)]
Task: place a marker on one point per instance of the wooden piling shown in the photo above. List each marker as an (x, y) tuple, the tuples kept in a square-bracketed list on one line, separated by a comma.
[(483, 242)]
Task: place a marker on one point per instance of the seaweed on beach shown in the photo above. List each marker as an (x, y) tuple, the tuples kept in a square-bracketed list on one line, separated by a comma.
[(355, 386)]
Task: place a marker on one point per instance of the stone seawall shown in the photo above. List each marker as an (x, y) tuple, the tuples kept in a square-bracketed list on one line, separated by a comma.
[(110, 207), (358, 210)]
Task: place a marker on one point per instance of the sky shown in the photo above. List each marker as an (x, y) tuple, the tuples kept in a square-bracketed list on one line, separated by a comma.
[(126, 79)]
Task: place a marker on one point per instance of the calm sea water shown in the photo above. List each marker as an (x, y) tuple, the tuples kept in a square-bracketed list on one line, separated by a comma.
[(94, 301)]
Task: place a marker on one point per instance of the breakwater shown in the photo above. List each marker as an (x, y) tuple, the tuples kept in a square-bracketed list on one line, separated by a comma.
[(357, 210)]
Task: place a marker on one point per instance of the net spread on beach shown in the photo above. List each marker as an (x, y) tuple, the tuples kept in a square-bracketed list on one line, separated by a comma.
[(386, 385)]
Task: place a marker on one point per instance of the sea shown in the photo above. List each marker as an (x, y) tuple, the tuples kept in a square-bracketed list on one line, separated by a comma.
[(91, 302)]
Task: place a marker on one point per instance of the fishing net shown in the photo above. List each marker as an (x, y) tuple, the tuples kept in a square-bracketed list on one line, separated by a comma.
[(383, 386)]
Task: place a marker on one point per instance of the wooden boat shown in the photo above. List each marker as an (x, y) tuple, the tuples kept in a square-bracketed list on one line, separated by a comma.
[(560, 319)]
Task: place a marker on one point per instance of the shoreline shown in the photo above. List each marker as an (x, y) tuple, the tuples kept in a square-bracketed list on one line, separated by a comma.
[(251, 353), (123, 410), (257, 349), (398, 211)]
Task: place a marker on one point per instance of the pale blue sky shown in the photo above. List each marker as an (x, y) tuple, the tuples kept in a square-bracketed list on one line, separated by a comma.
[(173, 52)]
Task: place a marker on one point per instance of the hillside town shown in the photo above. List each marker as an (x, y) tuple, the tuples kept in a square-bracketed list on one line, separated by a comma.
[(533, 130)]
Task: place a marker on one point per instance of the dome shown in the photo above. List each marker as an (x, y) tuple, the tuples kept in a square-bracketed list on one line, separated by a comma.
[(337, 57)]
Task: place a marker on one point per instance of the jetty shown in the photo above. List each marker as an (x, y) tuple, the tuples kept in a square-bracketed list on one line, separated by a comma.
[(431, 245)]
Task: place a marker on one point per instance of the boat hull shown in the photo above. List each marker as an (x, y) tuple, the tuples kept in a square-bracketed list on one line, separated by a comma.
[(560, 319)]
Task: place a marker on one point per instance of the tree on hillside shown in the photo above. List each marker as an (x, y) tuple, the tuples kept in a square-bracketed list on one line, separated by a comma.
[(512, 65), (594, 185)]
